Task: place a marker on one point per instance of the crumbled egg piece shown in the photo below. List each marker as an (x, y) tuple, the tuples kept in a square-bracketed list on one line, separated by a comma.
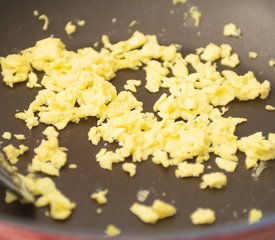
[(44, 18), (227, 165), (231, 30), (60, 206), (35, 13), (19, 136), (211, 53), (213, 180), (112, 230), (195, 14), (185, 169), (132, 85), (7, 135), (271, 62), (99, 210), (49, 156), (130, 168), (257, 148), (10, 197), (70, 28), (13, 153), (81, 23), (133, 23), (142, 195), (151, 214), (252, 55), (72, 166), (269, 107), (179, 1), (231, 61), (100, 196), (254, 215), (203, 216)]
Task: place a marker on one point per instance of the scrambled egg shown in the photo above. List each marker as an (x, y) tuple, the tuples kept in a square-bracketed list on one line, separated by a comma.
[(130, 168), (60, 206), (203, 216), (269, 107), (213, 180), (254, 215), (44, 18), (70, 28), (12, 153), (271, 63), (142, 195), (257, 148), (190, 123), (227, 165), (19, 137), (7, 135), (112, 230), (49, 156), (196, 15), (100, 196), (151, 214), (253, 55), (231, 30), (179, 1)]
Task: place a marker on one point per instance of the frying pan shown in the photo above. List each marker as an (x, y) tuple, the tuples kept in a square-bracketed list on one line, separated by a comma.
[(20, 29)]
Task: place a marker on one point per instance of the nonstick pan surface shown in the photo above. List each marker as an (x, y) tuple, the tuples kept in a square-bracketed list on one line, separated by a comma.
[(19, 29)]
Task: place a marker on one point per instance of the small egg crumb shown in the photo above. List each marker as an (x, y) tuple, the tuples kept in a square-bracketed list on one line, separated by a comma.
[(133, 23), (72, 166), (142, 195), (60, 206), (185, 169), (114, 20), (81, 23), (70, 28), (99, 210), (35, 13), (231, 30), (151, 214), (7, 135), (195, 14), (227, 165), (10, 197), (132, 85), (256, 172), (203, 216), (179, 1), (269, 107), (12, 153), (231, 61), (271, 62), (252, 55), (44, 18), (19, 136), (112, 230), (213, 180), (257, 148), (254, 215), (100, 196), (130, 168)]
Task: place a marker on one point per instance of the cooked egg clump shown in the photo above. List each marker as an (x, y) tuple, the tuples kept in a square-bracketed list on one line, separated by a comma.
[(231, 29), (112, 230), (12, 153), (255, 215), (60, 206), (203, 216), (49, 156), (151, 214)]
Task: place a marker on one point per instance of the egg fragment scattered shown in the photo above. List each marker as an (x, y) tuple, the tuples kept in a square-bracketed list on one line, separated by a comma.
[(187, 122), (203, 216), (151, 214)]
